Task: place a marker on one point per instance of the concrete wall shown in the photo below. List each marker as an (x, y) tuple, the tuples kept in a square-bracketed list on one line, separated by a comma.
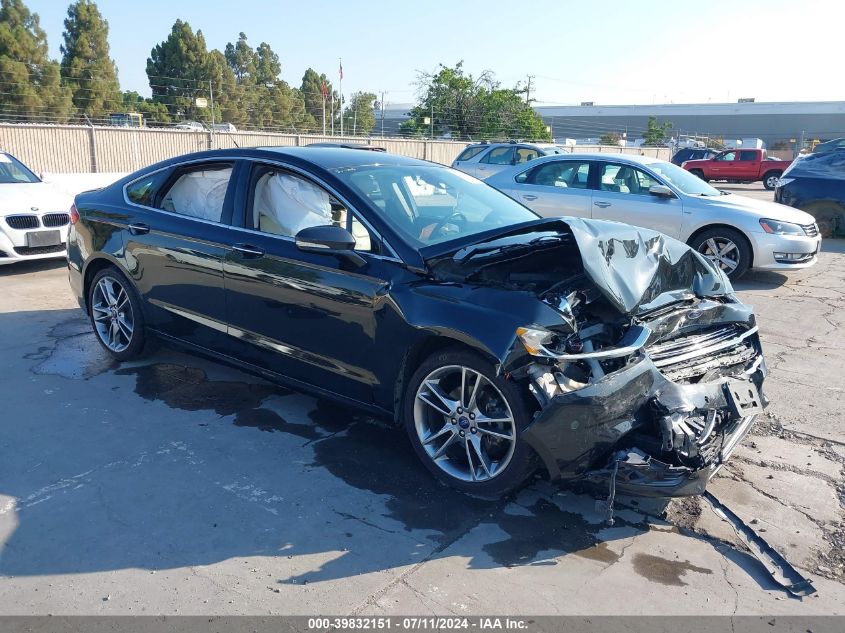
[(80, 149)]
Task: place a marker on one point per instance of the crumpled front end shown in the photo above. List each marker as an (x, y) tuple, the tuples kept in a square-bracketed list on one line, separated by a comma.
[(666, 416)]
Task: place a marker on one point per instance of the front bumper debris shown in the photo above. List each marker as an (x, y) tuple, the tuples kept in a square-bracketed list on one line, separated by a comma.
[(652, 436)]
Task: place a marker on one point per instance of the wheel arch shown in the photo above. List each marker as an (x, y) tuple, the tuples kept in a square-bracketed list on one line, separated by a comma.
[(418, 352), (92, 267), (723, 225)]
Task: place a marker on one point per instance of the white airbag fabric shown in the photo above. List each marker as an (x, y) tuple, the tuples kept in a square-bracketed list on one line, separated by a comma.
[(200, 194), (285, 204)]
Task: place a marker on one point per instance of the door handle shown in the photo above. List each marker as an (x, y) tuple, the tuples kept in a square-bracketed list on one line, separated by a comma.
[(248, 251), (529, 196), (601, 204), (139, 229)]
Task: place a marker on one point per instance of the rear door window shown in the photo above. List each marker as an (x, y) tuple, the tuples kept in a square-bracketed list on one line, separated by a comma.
[(564, 174), (499, 156), (470, 152), (524, 154), (747, 156), (198, 192)]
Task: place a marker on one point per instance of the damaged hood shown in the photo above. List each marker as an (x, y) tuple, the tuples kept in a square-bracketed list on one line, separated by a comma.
[(638, 269)]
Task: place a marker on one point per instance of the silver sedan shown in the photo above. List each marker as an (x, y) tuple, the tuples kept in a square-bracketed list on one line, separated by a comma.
[(737, 233)]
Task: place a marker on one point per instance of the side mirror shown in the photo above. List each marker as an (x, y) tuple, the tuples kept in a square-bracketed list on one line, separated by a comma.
[(661, 191), (329, 240)]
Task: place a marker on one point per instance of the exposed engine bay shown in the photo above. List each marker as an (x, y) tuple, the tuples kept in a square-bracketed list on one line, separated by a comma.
[(652, 388)]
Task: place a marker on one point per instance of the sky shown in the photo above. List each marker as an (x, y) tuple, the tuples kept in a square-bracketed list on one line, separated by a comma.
[(622, 52)]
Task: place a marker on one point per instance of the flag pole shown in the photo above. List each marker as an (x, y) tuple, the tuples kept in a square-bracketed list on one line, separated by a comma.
[(340, 89)]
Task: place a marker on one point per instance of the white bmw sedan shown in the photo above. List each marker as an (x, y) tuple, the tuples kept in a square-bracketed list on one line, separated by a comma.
[(737, 233), (34, 217)]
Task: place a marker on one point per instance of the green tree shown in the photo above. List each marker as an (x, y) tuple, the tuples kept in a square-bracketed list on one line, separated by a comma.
[(32, 89), (154, 113), (312, 89), (610, 138), (359, 117), (655, 134), (179, 71), (267, 65), (87, 69), (241, 59), (466, 107)]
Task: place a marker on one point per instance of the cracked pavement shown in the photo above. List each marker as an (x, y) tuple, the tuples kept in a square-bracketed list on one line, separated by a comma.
[(175, 485)]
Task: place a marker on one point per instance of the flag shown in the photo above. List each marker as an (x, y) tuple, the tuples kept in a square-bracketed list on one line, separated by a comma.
[(340, 70), (324, 90)]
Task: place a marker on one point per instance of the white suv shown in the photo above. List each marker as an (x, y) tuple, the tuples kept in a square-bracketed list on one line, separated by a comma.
[(482, 160)]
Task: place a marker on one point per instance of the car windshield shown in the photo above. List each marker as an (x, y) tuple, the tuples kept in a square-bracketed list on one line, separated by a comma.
[(13, 171), (683, 180), (430, 204)]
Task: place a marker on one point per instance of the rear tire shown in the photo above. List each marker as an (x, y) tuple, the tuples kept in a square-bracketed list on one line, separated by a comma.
[(699, 173), (114, 309), (465, 424), (727, 248), (770, 179)]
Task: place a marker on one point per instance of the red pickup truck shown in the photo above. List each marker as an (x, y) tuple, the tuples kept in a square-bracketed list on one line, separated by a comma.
[(739, 165)]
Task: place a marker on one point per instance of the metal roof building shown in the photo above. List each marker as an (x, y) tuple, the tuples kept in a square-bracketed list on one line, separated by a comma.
[(771, 122)]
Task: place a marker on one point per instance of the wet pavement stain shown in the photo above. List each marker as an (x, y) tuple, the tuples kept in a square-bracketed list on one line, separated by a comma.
[(270, 421), (378, 458), (663, 570), (549, 529), (76, 353), (189, 389)]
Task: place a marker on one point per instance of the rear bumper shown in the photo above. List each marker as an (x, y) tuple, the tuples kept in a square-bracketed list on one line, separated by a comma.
[(607, 430)]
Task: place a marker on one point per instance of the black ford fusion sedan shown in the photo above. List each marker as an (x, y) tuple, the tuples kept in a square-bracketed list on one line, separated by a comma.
[(503, 342)]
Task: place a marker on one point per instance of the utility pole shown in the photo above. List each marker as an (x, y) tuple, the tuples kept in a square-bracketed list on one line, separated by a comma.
[(340, 89), (355, 121), (382, 113), (432, 119), (528, 90)]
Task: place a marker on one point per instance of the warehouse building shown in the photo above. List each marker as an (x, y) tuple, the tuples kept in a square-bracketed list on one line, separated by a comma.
[(774, 123)]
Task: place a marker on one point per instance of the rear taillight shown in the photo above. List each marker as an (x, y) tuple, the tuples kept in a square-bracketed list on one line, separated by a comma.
[(74, 214)]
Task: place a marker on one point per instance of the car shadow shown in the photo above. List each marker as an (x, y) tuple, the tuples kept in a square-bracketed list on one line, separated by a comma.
[(31, 266), (174, 461)]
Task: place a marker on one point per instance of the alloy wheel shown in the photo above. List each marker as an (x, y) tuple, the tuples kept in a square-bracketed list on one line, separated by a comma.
[(722, 252), (112, 313), (464, 423)]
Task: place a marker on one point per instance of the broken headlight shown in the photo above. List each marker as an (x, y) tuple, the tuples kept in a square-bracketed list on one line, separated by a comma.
[(544, 343)]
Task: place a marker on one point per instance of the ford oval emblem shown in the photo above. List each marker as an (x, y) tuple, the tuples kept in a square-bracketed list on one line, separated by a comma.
[(692, 315)]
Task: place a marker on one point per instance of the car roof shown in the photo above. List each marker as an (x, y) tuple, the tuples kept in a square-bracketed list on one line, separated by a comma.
[(634, 159), (325, 158)]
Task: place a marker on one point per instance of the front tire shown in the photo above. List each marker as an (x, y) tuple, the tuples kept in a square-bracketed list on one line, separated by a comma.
[(725, 247), (699, 173), (115, 312), (465, 424), (770, 179)]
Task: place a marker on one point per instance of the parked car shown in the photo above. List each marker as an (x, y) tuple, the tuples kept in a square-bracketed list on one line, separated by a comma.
[(737, 233), (497, 338), (195, 126), (223, 127), (816, 184), (829, 146), (364, 146), (693, 153), (482, 160), (34, 217), (739, 165)]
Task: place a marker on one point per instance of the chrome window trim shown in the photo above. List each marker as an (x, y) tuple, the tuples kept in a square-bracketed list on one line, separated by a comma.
[(392, 256)]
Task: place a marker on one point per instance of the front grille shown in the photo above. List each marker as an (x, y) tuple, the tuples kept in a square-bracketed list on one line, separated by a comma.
[(692, 356), (55, 219), (39, 250), (22, 222), (810, 229)]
